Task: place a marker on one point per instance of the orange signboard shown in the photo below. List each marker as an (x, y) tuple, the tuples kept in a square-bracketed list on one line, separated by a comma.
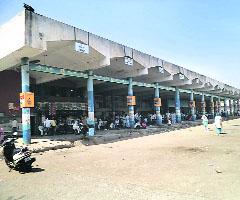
[(131, 101), (192, 104), (212, 104), (157, 102), (26, 100)]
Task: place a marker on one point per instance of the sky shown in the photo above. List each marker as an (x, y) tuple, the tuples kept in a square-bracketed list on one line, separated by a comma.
[(202, 36)]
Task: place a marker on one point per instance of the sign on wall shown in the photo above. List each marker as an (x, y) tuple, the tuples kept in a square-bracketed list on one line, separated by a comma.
[(160, 69), (181, 76), (128, 61), (11, 106), (83, 48)]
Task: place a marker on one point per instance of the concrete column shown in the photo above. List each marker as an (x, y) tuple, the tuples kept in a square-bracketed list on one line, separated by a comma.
[(26, 125), (131, 108), (238, 104), (212, 108), (203, 101), (177, 106), (192, 109), (91, 123), (225, 106), (231, 107), (159, 117), (219, 105), (235, 107)]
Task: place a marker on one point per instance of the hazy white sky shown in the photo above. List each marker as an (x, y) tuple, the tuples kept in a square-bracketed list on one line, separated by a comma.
[(203, 36)]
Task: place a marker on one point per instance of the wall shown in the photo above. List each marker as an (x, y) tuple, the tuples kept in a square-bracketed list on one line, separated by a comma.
[(10, 87)]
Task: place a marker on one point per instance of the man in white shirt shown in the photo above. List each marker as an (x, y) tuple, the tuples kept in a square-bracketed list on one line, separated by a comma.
[(47, 125)]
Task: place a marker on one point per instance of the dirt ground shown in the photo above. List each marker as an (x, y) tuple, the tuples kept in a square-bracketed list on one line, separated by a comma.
[(182, 164)]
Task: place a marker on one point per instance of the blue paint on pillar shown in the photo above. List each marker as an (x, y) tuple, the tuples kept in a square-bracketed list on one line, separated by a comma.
[(219, 106), (212, 108), (225, 106), (177, 106), (234, 106), (131, 108), (231, 108), (26, 126), (90, 120), (203, 101), (192, 109), (238, 104), (159, 117)]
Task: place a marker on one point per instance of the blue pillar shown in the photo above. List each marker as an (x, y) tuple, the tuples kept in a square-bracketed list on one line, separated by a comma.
[(238, 104), (234, 106), (26, 126), (131, 107), (203, 106), (219, 105), (177, 106), (231, 106), (159, 117), (192, 109), (212, 107), (225, 106), (91, 122)]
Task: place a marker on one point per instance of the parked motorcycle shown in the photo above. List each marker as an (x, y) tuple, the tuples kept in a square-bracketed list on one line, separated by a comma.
[(18, 159)]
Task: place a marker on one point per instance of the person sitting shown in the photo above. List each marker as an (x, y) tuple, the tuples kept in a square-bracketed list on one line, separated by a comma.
[(41, 128), (111, 126), (144, 125), (137, 125), (117, 126), (100, 125), (76, 127)]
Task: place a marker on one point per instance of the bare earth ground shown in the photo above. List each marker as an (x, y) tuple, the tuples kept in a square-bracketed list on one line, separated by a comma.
[(183, 164)]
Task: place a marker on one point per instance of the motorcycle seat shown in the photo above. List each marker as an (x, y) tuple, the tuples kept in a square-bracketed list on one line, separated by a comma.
[(15, 151)]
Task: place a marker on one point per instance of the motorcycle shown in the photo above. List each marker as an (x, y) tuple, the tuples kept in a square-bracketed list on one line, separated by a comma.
[(18, 159)]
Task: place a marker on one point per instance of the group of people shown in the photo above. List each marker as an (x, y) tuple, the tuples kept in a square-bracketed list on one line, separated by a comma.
[(123, 121), (217, 121), (62, 126)]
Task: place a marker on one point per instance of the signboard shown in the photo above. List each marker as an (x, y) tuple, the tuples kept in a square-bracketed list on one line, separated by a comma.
[(26, 100), (181, 76), (131, 101), (157, 102), (160, 69), (11, 106), (52, 108), (211, 104), (192, 104), (128, 61), (203, 104), (61, 106), (83, 48)]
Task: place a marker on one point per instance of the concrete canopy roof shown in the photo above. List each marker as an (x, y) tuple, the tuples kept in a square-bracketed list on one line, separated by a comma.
[(52, 43)]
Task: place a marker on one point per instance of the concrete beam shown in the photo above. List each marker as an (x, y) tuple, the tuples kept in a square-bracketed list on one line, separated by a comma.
[(48, 78)]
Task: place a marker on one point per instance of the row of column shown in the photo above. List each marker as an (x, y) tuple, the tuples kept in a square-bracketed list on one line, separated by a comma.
[(26, 111)]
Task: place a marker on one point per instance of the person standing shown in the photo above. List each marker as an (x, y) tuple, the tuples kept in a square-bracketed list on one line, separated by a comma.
[(14, 125), (85, 126), (47, 125), (205, 122), (218, 124), (54, 126)]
